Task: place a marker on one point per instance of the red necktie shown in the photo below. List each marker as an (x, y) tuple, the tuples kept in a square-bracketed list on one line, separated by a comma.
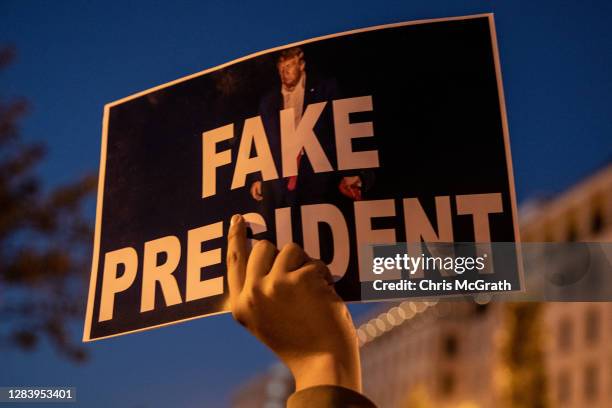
[(292, 180)]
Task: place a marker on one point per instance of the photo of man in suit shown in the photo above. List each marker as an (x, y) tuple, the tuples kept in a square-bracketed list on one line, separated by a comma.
[(297, 89)]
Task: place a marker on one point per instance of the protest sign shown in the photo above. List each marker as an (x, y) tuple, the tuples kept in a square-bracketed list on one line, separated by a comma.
[(341, 143)]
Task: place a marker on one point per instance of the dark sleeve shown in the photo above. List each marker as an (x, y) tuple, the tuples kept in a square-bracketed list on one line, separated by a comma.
[(367, 175), (333, 90), (328, 396), (269, 113)]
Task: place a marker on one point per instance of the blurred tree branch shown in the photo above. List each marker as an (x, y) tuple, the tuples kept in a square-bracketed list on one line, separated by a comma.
[(44, 242)]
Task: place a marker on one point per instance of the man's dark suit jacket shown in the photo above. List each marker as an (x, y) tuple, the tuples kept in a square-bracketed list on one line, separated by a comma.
[(311, 187)]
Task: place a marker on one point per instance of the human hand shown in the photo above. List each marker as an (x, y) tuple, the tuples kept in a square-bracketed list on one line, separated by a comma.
[(351, 187), (256, 191), (287, 300)]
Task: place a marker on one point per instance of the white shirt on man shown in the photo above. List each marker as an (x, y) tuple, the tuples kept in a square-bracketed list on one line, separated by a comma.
[(295, 98)]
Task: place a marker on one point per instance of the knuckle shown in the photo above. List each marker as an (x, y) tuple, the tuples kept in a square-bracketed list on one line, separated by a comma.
[(296, 278), (239, 315), (267, 289), (232, 258), (291, 247), (263, 244), (246, 306), (322, 268), (252, 300), (300, 276), (312, 271), (318, 265), (275, 286), (279, 285), (233, 233), (315, 267)]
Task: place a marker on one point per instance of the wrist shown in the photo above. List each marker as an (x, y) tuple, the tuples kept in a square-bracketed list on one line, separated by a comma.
[(327, 369)]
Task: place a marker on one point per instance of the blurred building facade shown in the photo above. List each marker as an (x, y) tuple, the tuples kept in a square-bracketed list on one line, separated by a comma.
[(579, 341), (451, 354), (267, 390)]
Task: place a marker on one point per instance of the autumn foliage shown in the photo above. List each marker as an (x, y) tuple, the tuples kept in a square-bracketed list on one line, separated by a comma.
[(45, 242)]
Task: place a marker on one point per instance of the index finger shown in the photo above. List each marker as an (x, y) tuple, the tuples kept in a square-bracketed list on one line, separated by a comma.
[(236, 256)]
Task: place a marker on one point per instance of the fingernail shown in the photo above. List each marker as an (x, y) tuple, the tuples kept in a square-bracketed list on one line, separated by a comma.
[(236, 218)]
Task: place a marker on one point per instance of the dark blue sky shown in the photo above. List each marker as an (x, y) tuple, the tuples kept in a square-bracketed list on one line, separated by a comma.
[(75, 57)]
